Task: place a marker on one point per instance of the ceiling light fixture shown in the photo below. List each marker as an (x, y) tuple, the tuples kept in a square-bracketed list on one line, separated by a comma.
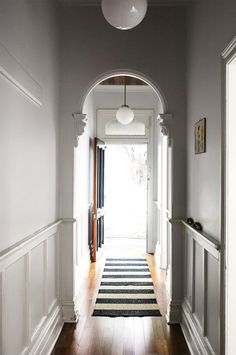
[(124, 14), (124, 114)]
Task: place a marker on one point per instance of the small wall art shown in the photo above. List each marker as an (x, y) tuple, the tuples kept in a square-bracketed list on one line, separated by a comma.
[(200, 136)]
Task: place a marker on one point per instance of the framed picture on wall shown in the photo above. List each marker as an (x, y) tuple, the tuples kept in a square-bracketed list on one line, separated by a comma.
[(200, 136)]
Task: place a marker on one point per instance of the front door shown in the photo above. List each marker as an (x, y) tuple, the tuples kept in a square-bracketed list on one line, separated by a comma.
[(98, 206)]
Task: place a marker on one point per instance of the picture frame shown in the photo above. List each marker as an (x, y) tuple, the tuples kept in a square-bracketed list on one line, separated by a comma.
[(200, 136)]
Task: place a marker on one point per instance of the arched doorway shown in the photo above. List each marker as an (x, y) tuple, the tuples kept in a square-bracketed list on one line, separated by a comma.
[(162, 211)]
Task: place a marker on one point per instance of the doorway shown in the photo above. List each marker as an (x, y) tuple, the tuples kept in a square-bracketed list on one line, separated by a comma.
[(126, 195)]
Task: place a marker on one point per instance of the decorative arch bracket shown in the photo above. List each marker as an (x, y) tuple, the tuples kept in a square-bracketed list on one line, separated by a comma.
[(164, 121), (80, 121)]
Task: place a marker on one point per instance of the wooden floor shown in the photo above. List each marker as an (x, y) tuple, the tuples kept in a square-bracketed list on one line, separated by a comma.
[(120, 336)]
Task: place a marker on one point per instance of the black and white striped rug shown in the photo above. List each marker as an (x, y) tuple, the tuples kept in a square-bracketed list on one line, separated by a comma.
[(126, 290)]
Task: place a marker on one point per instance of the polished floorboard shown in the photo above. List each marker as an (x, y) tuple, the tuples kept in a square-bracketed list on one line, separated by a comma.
[(121, 336)]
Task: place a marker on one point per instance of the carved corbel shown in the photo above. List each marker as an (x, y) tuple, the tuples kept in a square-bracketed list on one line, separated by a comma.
[(80, 121), (163, 120)]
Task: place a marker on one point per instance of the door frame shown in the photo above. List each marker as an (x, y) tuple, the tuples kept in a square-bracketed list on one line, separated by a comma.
[(149, 143), (227, 57)]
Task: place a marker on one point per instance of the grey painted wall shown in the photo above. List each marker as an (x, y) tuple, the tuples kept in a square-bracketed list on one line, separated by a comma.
[(28, 133), (156, 48), (211, 26)]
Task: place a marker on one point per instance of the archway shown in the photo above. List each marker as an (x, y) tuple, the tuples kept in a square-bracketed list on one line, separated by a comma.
[(81, 119), (123, 72)]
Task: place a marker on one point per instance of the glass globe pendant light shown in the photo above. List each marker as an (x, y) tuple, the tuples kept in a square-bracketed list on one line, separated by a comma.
[(124, 115), (124, 14)]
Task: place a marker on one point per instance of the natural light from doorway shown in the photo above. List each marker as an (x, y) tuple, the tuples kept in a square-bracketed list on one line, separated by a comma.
[(126, 191)]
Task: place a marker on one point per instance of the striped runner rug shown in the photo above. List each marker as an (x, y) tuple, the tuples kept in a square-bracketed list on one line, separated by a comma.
[(126, 290)]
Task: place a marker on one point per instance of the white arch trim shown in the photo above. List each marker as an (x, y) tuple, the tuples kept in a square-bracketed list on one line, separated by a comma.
[(119, 72), (80, 118)]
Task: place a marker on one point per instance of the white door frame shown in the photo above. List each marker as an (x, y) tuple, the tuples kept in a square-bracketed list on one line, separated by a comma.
[(228, 55), (164, 202), (164, 193), (149, 142)]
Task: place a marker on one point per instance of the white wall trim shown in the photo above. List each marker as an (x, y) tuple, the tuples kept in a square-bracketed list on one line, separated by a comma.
[(80, 122), (197, 342), (229, 50), (48, 333), (228, 55), (163, 120), (68, 220), (206, 241), (173, 315), (40, 340), (28, 241), (78, 301), (1, 312), (195, 315), (116, 72), (14, 73), (69, 314)]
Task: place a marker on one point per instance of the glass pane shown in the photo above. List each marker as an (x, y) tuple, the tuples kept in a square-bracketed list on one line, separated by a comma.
[(135, 128)]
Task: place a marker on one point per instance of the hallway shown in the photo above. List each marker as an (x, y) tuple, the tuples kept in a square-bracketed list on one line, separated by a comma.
[(120, 335), (66, 76)]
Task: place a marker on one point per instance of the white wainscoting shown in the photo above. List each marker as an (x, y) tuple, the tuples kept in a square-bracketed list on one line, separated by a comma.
[(31, 318), (81, 255), (201, 305), (157, 231)]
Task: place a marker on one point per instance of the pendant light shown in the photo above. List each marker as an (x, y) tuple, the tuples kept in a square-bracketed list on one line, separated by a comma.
[(124, 14), (124, 115)]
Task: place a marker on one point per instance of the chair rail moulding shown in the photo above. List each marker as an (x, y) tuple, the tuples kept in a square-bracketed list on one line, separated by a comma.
[(208, 242), (80, 121)]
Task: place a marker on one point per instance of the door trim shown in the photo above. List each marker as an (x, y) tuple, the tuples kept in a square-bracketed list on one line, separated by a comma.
[(226, 57)]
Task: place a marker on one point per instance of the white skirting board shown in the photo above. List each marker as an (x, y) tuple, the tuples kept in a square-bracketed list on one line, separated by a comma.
[(46, 339), (173, 315), (197, 343), (68, 312), (82, 271)]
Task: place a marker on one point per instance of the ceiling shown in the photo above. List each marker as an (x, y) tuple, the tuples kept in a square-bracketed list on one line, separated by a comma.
[(150, 2), (121, 80)]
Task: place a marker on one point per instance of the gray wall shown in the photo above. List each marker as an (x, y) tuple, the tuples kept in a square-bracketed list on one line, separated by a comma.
[(28, 133), (211, 26), (156, 48), (90, 47), (29, 140)]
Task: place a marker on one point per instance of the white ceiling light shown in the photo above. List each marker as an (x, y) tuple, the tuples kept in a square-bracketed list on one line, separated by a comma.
[(125, 115), (124, 14)]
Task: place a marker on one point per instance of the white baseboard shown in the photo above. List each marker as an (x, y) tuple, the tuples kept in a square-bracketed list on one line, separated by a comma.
[(173, 315), (68, 312), (48, 334), (197, 343), (83, 271)]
